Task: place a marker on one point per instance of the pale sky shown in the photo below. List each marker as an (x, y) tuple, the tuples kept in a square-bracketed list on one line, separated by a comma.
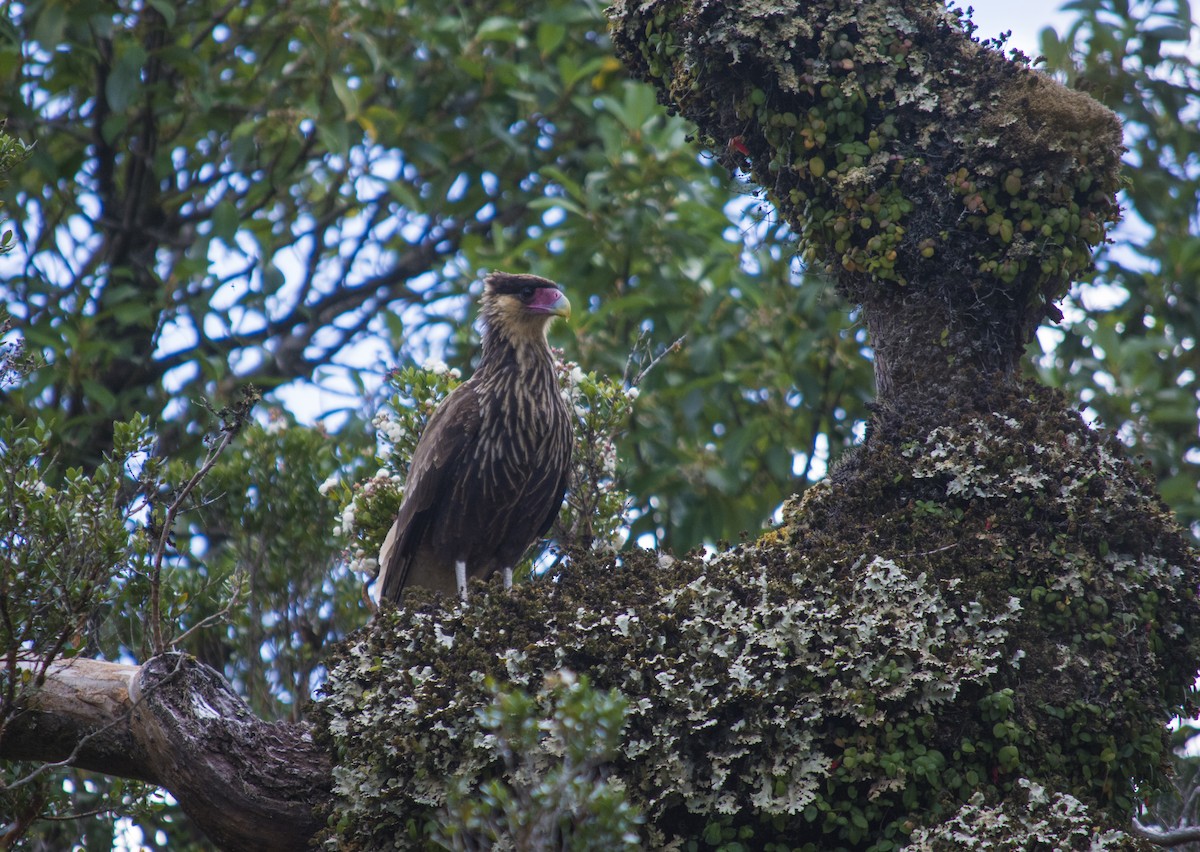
[(1026, 19)]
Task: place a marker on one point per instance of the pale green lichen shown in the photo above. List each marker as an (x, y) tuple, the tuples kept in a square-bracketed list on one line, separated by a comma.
[(1042, 821), (732, 685), (961, 453)]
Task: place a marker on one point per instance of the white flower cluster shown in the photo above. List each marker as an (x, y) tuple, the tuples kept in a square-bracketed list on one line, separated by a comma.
[(572, 381), (608, 459), (362, 556), (347, 525), (572, 393), (344, 526), (360, 563), (440, 368), (389, 427)]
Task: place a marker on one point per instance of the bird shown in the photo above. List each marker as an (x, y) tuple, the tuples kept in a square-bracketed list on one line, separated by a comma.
[(491, 468)]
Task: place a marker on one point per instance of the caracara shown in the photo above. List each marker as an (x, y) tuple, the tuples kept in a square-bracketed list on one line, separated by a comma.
[(489, 472)]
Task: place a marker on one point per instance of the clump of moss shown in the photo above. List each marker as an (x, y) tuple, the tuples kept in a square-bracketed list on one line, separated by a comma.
[(999, 599), (907, 156)]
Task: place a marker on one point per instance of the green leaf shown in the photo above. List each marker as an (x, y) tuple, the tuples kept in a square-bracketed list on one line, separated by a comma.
[(499, 29), (345, 94), (166, 9), (549, 36), (100, 394), (124, 78), (132, 312), (225, 220)]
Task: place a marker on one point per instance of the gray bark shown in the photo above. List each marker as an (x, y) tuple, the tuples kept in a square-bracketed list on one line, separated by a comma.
[(248, 784)]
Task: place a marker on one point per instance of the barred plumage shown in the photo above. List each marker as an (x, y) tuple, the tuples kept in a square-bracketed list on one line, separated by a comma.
[(490, 470)]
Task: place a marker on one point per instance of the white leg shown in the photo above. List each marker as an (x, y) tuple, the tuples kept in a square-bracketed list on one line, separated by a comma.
[(508, 578), (460, 577)]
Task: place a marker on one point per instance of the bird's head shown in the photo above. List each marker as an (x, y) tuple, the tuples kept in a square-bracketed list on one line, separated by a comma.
[(521, 306)]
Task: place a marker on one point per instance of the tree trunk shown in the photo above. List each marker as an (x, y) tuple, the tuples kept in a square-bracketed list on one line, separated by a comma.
[(953, 194), (246, 783)]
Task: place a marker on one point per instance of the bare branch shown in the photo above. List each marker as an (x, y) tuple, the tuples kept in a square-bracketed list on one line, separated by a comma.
[(1166, 837), (77, 714), (84, 742), (248, 784), (217, 616)]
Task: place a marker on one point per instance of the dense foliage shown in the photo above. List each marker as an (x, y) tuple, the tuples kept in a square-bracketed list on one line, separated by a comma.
[(938, 182), (251, 192)]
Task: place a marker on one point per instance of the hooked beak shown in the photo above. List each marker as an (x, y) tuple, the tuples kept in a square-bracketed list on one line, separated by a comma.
[(548, 300)]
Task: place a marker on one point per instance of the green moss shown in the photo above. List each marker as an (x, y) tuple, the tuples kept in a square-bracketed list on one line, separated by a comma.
[(1000, 599), (904, 154)]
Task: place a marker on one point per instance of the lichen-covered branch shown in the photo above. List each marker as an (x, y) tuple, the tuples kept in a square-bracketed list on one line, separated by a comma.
[(982, 626), (248, 784), (933, 177)]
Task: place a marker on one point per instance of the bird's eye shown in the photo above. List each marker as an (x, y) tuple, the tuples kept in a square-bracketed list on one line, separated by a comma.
[(526, 293)]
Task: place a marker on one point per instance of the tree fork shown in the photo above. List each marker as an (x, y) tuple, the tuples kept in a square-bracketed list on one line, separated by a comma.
[(248, 784)]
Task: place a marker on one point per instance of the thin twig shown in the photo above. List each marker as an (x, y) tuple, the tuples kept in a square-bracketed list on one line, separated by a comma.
[(935, 550), (674, 347), (1189, 803), (232, 420), (167, 525), (637, 344), (75, 816), (215, 617)]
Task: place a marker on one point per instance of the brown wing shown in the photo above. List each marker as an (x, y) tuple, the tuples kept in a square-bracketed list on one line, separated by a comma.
[(435, 466)]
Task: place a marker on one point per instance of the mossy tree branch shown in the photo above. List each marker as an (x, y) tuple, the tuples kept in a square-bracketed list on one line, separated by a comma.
[(978, 625), (953, 193)]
